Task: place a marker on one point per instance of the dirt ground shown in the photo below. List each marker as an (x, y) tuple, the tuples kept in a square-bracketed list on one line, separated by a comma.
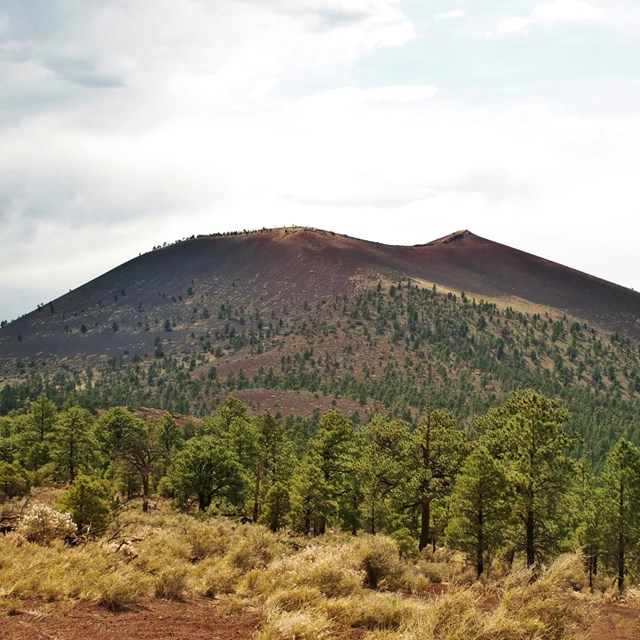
[(154, 619), (200, 619), (615, 622)]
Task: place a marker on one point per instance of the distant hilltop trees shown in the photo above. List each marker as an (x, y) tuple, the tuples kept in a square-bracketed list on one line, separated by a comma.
[(225, 234)]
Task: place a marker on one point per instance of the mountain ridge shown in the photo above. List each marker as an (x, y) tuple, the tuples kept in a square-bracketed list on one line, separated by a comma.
[(308, 264)]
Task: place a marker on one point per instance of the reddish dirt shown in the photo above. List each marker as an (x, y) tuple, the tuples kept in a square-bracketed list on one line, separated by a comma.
[(197, 619), (615, 622), (299, 403), (200, 619)]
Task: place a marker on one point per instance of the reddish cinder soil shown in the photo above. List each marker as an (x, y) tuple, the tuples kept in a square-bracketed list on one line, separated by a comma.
[(196, 619), (203, 619), (615, 622)]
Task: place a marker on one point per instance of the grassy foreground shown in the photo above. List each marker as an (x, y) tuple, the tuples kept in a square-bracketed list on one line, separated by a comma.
[(308, 588)]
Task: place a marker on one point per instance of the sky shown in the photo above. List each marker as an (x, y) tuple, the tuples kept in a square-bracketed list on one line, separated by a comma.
[(128, 123)]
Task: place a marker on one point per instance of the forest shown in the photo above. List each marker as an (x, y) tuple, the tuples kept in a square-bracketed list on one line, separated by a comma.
[(506, 488)]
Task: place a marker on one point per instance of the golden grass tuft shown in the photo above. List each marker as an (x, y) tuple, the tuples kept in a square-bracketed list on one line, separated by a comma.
[(214, 576), (121, 588), (172, 582), (298, 625)]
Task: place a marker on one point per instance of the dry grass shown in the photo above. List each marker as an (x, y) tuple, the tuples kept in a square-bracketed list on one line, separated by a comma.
[(310, 588)]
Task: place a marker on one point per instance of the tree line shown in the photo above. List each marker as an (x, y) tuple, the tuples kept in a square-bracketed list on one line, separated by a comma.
[(505, 488)]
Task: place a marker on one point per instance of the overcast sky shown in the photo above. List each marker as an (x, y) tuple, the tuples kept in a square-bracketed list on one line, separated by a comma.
[(125, 124)]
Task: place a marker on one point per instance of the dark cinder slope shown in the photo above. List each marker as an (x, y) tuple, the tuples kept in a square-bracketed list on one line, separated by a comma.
[(183, 285)]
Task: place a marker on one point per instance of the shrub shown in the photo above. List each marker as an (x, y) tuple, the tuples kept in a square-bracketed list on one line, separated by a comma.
[(120, 588), (254, 549), (43, 525), (378, 557), (297, 625), (172, 582), (14, 481), (211, 538), (373, 610), (215, 576), (88, 502)]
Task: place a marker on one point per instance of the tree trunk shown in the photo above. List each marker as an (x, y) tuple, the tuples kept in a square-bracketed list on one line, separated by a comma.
[(307, 523), (620, 562), (621, 545), (530, 539), (424, 523), (425, 517), (256, 493), (480, 547), (145, 492)]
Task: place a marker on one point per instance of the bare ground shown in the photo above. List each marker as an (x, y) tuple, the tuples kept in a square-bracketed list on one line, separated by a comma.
[(201, 618), (615, 622), (153, 619)]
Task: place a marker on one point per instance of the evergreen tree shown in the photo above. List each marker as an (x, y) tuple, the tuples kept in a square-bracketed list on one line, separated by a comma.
[(205, 470), (381, 470), (277, 505), (73, 448), (40, 425), (437, 451), (88, 502), (586, 517), (133, 444), (333, 451), (620, 498), (527, 435), (479, 508), (313, 500)]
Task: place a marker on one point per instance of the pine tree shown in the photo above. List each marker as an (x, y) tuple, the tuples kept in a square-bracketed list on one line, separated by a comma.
[(312, 498), (620, 497), (205, 470), (333, 450), (527, 435), (438, 448), (479, 508), (41, 421), (73, 448), (381, 469)]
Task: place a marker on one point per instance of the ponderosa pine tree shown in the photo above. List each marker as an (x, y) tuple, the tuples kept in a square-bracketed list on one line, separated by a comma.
[(381, 469), (277, 505), (313, 500), (479, 508), (40, 425), (73, 447), (527, 435), (205, 469), (333, 449), (587, 517), (132, 443), (438, 448), (620, 480), (273, 464)]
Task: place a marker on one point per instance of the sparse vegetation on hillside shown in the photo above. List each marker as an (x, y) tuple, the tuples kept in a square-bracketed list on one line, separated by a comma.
[(391, 348)]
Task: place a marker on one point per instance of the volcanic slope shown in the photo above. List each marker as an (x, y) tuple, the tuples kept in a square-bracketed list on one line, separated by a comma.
[(292, 266), (296, 318)]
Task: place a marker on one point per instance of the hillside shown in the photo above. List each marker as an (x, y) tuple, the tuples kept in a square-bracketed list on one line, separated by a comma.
[(288, 267), (295, 319)]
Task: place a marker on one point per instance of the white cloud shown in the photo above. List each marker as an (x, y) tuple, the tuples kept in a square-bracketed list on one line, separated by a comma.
[(128, 124), (555, 11), (514, 25), (568, 11), (451, 15)]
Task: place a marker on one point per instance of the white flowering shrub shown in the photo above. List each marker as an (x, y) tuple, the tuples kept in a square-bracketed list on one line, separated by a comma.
[(42, 524)]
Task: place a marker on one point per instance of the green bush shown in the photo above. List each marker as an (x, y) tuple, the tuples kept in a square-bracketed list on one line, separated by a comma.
[(88, 502)]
